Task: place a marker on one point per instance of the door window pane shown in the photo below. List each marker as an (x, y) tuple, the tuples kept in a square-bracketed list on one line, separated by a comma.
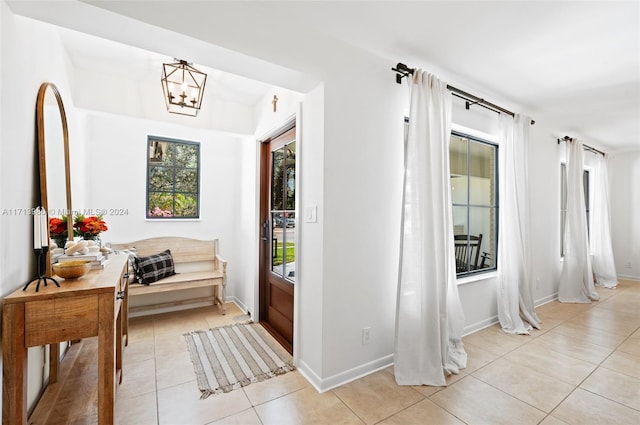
[(277, 172), (283, 235)]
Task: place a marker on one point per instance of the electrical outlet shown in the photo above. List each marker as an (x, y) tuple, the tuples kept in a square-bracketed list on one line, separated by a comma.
[(629, 265), (366, 335)]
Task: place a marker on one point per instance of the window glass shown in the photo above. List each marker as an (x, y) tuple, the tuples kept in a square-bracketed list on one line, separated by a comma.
[(473, 165), (283, 216), (563, 202), (173, 178), (474, 195)]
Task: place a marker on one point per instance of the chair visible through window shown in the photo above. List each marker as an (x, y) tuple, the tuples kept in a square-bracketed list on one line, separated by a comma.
[(467, 252)]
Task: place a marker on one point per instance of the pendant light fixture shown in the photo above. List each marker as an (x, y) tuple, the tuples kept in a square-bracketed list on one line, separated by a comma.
[(183, 87)]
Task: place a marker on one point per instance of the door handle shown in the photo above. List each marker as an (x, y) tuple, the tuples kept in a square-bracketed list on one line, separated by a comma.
[(265, 230)]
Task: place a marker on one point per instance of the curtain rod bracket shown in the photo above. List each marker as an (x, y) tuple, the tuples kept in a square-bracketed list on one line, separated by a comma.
[(403, 70), (467, 104), (585, 147)]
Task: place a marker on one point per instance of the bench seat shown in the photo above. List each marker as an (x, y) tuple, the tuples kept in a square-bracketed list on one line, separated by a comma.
[(197, 265)]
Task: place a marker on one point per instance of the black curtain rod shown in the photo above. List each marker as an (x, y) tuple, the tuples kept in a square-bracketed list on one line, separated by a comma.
[(403, 70), (584, 146)]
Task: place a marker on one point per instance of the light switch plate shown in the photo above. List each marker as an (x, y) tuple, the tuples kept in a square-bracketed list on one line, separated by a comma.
[(311, 214)]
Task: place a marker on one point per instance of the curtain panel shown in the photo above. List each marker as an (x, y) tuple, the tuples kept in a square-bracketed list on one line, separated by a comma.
[(576, 280), (604, 267), (429, 317), (516, 310)]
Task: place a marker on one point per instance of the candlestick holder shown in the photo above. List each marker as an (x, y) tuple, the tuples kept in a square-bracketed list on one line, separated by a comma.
[(41, 257)]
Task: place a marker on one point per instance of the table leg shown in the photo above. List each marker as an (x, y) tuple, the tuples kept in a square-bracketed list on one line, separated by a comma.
[(14, 365), (119, 341), (125, 314), (106, 359), (54, 362)]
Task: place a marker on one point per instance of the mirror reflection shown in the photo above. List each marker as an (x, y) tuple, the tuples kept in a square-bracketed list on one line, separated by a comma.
[(53, 149)]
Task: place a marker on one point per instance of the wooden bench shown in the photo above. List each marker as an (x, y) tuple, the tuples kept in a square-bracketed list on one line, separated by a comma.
[(197, 265)]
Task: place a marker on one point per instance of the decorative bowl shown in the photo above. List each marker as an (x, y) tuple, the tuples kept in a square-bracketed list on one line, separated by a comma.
[(72, 269)]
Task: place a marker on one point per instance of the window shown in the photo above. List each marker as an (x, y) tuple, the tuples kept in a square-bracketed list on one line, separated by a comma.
[(173, 178), (474, 194), (283, 206), (563, 202)]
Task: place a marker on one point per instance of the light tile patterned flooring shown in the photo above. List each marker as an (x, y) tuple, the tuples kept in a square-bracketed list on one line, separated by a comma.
[(582, 368)]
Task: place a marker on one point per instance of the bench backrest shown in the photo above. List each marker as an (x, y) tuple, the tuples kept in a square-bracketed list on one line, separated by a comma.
[(183, 250)]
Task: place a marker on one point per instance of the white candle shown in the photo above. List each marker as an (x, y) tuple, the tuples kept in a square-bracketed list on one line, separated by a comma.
[(36, 230), (44, 228), (174, 89)]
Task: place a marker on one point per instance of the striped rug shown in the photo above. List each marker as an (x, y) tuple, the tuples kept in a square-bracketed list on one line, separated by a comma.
[(234, 356)]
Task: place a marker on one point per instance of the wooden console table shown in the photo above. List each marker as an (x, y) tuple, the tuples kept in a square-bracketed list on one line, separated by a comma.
[(94, 305)]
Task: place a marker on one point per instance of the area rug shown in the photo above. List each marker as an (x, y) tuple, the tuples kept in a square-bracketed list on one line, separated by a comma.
[(235, 356)]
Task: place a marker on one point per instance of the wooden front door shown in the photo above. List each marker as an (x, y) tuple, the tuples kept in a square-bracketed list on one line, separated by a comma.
[(278, 236)]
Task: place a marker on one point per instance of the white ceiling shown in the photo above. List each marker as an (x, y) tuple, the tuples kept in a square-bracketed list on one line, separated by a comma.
[(99, 55), (574, 65)]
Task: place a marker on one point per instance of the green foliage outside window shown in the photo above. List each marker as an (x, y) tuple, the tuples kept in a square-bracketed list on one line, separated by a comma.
[(173, 183), (290, 253)]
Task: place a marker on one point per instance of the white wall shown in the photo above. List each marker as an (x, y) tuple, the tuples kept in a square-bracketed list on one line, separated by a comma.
[(544, 178), (245, 236), (362, 176), (624, 183), (115, 164), (266, 120), (308, 328), (30, 54)]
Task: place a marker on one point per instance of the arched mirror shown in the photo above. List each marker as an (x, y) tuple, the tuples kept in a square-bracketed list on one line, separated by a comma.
[(53, 148)]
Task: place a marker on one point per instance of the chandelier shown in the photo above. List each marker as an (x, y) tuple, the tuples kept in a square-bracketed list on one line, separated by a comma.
[(183, 87)]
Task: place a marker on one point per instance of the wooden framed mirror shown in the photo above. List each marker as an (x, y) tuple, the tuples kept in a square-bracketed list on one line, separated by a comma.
[(53, 152)]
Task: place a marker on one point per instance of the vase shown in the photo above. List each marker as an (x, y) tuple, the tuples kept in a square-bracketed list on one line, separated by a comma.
[(95, 239), (60, 242)]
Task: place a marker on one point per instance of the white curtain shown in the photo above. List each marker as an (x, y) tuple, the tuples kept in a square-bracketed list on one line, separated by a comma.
[(576, 281), (429, 317), (604, 267), (515, 297)]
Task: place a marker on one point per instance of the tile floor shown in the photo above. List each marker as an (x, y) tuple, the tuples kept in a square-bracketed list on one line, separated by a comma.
[(582, 368)]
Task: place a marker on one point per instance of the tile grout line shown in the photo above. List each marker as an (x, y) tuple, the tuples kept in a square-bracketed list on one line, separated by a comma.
[(574, 315), (598, 365)]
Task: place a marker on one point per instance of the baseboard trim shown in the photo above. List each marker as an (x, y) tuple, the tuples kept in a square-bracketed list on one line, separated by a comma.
[(309, 374), (628, 277), (161, 310), (322, 385), (475, 327), (325, 384), (239, 303), (546, 300)]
